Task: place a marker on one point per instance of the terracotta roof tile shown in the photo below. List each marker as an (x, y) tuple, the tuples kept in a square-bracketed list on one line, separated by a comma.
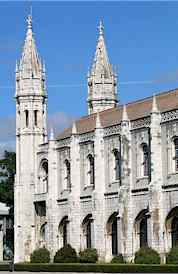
[(166, 101)]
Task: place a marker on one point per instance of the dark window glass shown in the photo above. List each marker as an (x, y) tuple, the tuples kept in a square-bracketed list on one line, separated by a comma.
[(143, 232), (91, 169), (117, 164), (88, 234), (114, 237), (26, 118), (68, 174), (174, 231), (65, 233), (36, 117), (145, 160)]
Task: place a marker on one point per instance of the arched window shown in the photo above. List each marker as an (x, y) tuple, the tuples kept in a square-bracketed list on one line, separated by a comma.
[(68, 175), (63, 229), (43, 235), (36, 117), (176, 152), (141, 226), (117, 167), (87, 229), (145, 159), (174, 231), (26, 118), (143, 232), (43, 177), (112, 229), (91, 171)]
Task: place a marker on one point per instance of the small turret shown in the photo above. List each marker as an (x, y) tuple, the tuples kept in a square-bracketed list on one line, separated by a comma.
[(102, 81)]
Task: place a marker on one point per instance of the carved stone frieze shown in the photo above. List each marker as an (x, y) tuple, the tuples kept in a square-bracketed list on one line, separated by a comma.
[(169, 116), (64, 143), (86, 137), (116, 129), (144, 122)]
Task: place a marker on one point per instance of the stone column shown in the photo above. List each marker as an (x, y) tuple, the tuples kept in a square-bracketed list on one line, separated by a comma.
[(156, 202), (74, 196), (51, 204), (98, 193)]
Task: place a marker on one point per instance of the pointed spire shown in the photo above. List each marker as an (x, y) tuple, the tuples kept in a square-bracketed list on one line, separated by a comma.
[(51, 137), (154, 105), (98, 121), (74, 128), (30, 63), (124, 114), (101, 66)]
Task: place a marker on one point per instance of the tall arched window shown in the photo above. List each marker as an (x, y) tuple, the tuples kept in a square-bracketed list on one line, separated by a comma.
[(43, 235), (174, 231), (112, 229), (63, 230), (68, 175), (117, 167), (87, 229), (43, 177), (141, 228), (143, 232), (36, 117), (145, 159), (176, 152), (91, 171), (26, 118)]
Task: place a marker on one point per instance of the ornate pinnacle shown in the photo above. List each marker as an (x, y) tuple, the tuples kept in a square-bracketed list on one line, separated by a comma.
[(29, 21), (101, 28)]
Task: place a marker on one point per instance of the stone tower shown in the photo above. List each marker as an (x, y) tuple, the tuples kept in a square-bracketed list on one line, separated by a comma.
[(30, 132), (102, 81)]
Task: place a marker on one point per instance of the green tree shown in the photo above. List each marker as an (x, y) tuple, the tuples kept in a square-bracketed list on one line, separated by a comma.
[(7, 174)]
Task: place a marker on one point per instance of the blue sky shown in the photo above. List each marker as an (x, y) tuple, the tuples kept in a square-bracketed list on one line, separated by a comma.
[(141, 38)]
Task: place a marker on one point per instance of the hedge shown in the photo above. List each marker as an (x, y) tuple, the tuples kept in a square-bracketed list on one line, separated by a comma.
[(4, 267), (172, 256), (102, 268)]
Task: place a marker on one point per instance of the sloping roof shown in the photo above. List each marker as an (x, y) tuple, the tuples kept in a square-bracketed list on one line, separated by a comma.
[(166, 101)]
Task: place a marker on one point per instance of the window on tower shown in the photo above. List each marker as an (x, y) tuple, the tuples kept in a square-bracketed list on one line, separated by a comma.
[(26, 118), (36, 117)]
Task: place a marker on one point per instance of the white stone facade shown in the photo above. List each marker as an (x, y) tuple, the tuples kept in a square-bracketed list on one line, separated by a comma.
[(109, 182)]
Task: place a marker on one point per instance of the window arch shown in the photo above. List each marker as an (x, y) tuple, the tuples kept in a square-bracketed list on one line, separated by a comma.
[(145, 157), (141, 223), (87, 230), (68, 174), (43, 177), (43, 234), (171, 223), (63, 230), (91, 170), (112, 229), (117, 164)]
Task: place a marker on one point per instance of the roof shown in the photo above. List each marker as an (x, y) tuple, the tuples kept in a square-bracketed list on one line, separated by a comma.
[(166, 101)]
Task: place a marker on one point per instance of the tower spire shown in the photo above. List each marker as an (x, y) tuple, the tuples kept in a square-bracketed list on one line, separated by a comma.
[(30, 67), (102, 95)]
